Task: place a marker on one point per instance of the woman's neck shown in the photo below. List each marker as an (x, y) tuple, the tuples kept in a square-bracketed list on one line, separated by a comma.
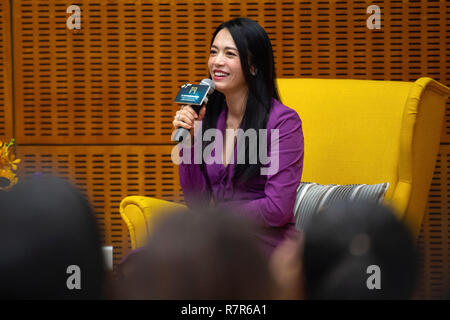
[(236, 103)]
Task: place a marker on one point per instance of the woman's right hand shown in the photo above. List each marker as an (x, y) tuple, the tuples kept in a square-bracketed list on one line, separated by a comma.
[(186, 116)]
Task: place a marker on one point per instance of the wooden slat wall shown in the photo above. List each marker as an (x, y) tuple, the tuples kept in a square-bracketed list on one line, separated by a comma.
[(106, 91), (434, 238), (6, 124), (106, 175)]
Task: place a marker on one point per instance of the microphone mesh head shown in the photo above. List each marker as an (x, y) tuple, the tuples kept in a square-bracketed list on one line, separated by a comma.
[(208, 82)]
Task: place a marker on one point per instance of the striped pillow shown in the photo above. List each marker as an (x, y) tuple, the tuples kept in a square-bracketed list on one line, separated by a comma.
[(313, 197)]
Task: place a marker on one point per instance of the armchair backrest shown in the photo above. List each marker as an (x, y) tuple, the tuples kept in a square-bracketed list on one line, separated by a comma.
[(366, 131)]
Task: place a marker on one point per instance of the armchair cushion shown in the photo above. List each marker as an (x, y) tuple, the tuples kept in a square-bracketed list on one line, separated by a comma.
[(313, 197)]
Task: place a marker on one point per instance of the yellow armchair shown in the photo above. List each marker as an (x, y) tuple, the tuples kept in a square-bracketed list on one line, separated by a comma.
[(356, 131)]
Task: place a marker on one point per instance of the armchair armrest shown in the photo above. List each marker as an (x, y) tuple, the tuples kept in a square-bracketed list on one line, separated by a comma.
[(140, 214)]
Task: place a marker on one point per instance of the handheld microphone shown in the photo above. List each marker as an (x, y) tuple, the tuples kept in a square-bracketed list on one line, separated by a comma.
[(195, 95)]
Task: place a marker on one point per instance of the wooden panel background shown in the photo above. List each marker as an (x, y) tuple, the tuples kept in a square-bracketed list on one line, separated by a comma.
[(6, 123), (105, 92), (434, 238), (106, 175)]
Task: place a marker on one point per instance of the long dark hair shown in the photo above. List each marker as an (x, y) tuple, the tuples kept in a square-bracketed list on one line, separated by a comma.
[(342, 241), (47, 226), (255, 50)]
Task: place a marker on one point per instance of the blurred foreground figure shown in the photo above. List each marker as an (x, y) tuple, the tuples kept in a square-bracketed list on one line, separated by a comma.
[(199, 255), (349, 251), (49, 244)]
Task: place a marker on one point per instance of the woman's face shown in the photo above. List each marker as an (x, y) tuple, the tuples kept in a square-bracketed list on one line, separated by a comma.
[(225, 64)]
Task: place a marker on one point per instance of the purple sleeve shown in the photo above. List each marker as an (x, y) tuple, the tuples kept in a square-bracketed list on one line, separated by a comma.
[(275, 209), (193, 183)]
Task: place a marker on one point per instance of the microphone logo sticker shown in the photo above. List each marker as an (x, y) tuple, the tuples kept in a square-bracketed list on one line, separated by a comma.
[(193, 90), (194, 94)]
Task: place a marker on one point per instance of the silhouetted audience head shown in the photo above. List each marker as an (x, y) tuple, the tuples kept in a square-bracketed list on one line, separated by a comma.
[(358, 251), (47, 226), (199, 255)]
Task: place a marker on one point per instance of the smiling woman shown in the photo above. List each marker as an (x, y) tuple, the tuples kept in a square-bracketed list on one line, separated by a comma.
[(241, 64), (225, 69)]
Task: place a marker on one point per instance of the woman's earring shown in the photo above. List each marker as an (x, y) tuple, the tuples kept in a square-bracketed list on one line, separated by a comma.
[(255, 72)]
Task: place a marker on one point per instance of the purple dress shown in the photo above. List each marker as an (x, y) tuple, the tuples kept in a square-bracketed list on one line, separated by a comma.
[(267, 199)]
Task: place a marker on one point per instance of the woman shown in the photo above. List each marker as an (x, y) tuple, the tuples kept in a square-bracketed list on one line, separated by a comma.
[(241, 65)]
